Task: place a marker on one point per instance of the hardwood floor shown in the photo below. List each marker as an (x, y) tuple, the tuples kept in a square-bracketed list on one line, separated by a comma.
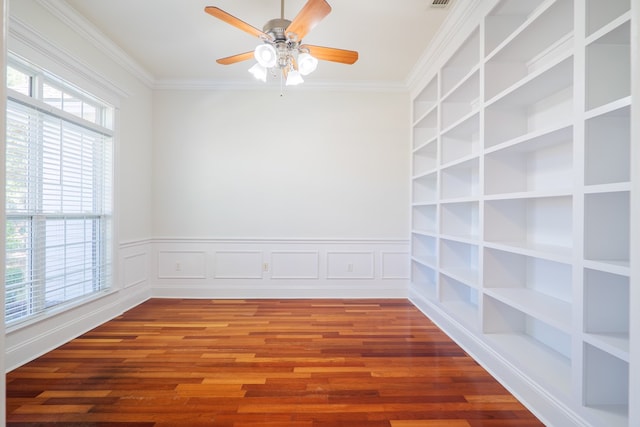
[(277, 363)]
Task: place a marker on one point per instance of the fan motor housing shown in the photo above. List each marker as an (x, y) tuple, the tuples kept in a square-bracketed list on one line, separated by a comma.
[(277, 28)]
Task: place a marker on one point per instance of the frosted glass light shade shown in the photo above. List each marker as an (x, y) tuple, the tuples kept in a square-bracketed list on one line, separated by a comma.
[(266, 55), (307, 64), (259, 72), (294, 78)]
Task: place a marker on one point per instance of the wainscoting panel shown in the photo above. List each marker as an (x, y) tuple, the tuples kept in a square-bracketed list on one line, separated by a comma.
[(135, 269), (279, 268), (238, 265), (350, 265)]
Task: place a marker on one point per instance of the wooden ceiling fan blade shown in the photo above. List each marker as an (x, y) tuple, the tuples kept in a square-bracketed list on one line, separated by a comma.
[(311, 13), (235, 58), (236, 22), (332, 54)]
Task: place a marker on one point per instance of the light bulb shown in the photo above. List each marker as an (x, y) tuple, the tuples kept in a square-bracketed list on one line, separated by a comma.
[(259, 72), (266, 55), (294, 78), (307, 64)]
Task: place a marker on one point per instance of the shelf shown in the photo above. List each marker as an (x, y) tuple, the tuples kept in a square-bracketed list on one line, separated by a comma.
[(539, 350), (608, 148), (505, 18), (608, 67), (607, 227), (425, 188), (548, 36), (463, 139), (425, 158), (540, 224), (606, 385), (460, 301), (424, 278), (539, 164), (461, 63), (424, 249), (537, 287), (541, 101), (426, 129), (460, 180), (606, 310), (424, 218), (426, 99), (459, 261), (459, 219), (461, 101), (601, 13)]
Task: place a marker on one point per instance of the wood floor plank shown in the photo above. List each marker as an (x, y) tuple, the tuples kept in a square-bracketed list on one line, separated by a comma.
[(265, 363)]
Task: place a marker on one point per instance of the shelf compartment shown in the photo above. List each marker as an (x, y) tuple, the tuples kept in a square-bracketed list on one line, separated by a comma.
[(608, 67), (606, 311), (548, 37), (426, 129), (459, 260), (505, 18), (424, 278), (461, 62), (459, 219), (460, 300), (542, 163), (461, 140), (606, 386), (536, 348), (461, 101), (425, 158), (607, 227), (426, 99), (539, 103), (542, 224), (537, 287), (425, 189), (424, 249), (460, 180), (601, 13), (424, 218), (608, 148)]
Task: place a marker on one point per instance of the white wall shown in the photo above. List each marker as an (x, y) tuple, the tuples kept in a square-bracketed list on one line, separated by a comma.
[(252, 164), (41, 36)]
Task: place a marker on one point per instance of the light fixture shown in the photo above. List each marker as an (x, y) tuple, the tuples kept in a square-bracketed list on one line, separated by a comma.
[(307, 64), (259, 72), (282, 54)]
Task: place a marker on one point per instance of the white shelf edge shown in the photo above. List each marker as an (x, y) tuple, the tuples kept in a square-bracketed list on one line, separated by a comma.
[(535, 14), (431, 263), (527, 79), (463, 80), (463, 312), (608, 107), (616, 187), (550, 253), (610, 415), (418, 204), (553, 311), (470, 240), (616, 345), (469, 115), (463, 276), (621, 268), (461, 199), (607, 28), (528, 136), (459, 161), (432, 109), (425, 233), (433, 140), (424, 175), (538, 194)]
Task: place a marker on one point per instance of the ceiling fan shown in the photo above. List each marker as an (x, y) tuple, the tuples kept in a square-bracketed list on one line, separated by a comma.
[(282, 47)]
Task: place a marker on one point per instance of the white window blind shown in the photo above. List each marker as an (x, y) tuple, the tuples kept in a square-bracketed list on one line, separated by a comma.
[(58, 208)]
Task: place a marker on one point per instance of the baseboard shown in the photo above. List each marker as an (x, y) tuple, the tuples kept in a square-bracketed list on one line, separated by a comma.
[(542, 404)]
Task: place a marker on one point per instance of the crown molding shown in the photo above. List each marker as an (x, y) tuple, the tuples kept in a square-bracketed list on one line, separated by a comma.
[(69, 16)]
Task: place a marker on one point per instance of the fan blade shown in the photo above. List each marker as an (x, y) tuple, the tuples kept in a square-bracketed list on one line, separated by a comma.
[(311, 13), (235, 58), (332, 54), (238, 23)]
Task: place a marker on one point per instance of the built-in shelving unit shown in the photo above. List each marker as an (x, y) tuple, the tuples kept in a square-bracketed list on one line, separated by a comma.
[(522, 193)]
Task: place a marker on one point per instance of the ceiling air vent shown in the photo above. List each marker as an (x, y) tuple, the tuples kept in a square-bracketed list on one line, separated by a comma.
[(440, 3)]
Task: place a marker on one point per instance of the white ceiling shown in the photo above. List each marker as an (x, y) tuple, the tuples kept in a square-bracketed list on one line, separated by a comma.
[(175, 40)]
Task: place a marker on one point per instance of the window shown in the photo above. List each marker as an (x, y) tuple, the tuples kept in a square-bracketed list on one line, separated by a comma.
[(58, 193)]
